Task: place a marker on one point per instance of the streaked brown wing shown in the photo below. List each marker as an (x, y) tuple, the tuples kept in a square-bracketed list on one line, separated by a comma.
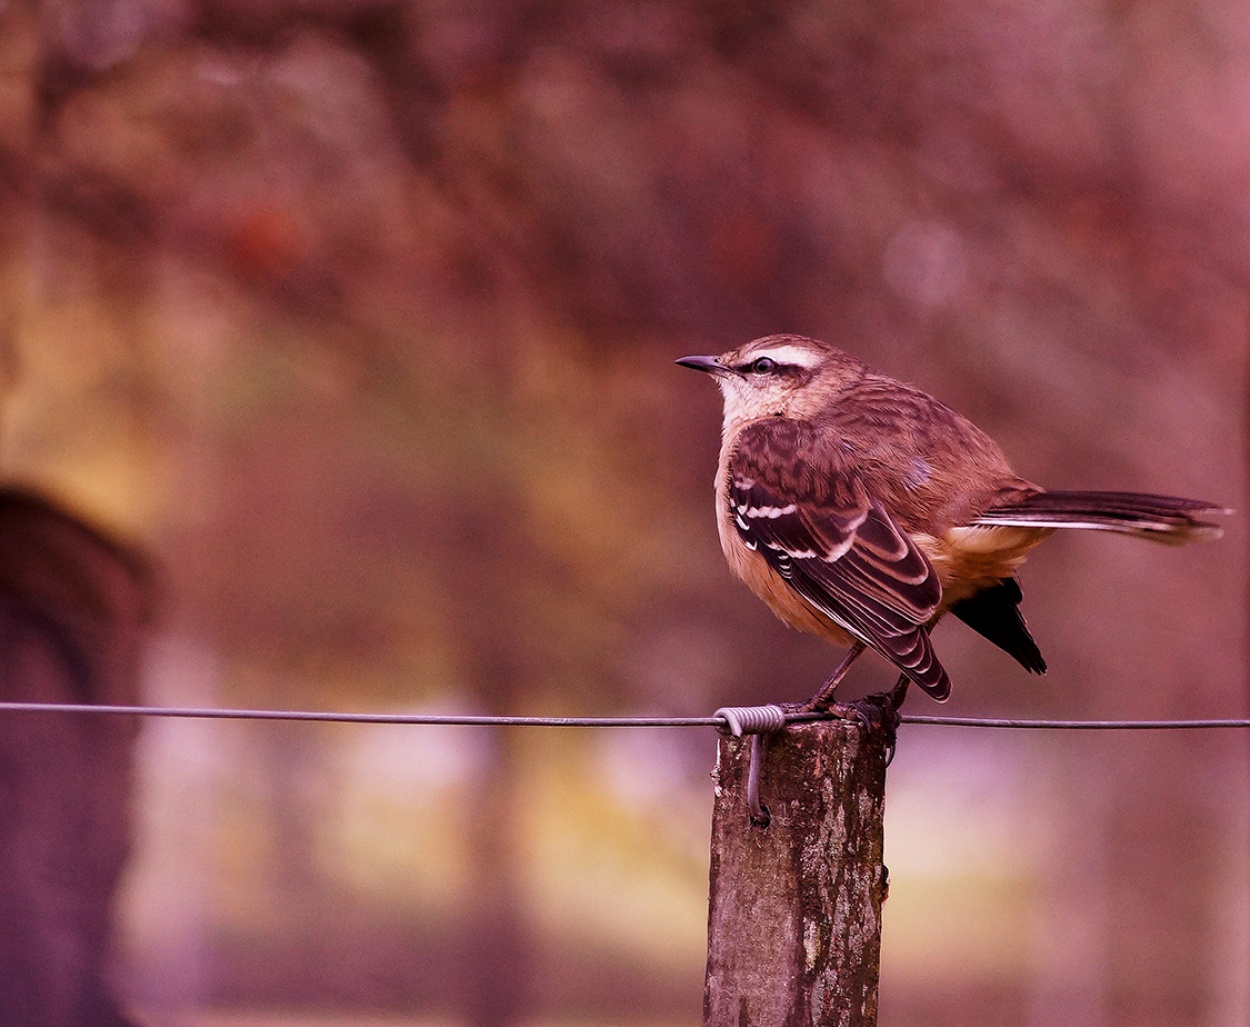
[(812, 520)]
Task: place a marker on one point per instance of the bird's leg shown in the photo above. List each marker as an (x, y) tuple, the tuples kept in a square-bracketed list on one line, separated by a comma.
[(898, 693), (881, 708), (823, 698), (877, 712)]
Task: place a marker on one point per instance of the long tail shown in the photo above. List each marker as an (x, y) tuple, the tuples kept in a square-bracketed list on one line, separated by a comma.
[(1167, 519)]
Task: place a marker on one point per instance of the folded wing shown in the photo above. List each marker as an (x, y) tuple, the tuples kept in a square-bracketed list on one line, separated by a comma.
[(810, 517)]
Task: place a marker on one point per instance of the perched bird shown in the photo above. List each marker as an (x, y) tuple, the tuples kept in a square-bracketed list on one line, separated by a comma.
[(862, 510)]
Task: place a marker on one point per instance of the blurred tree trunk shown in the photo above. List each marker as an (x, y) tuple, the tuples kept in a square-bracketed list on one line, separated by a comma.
[(74, 607), (497, 957), (72, 610)]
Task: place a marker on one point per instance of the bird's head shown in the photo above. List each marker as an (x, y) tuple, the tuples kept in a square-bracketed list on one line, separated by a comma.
[(778, 376)]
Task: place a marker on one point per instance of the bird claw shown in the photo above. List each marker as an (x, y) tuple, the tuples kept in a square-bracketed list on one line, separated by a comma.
[(873, 713)]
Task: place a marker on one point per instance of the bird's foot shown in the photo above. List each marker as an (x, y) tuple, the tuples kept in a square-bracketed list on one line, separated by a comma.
[(876, 713)]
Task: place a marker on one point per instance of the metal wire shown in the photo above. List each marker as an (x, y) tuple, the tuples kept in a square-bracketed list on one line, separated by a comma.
[(435, 719), (216, 713), (1079, 725)]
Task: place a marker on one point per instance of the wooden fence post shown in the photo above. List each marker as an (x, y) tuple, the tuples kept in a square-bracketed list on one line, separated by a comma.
[(794, 918)]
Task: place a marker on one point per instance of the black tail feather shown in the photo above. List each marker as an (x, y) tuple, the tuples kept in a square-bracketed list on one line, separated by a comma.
[(994, 613), (1168, 519)]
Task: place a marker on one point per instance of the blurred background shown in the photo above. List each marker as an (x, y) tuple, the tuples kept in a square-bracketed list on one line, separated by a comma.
[(359, 316)]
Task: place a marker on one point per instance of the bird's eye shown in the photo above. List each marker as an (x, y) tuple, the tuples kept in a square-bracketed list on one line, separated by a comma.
[(764, 365)]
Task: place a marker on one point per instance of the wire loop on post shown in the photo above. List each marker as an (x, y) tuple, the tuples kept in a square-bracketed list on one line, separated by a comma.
[(751, 720), (760, 816), (759, 722)]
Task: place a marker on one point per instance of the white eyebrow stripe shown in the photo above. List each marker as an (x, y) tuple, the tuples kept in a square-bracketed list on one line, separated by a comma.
[(798, 356)]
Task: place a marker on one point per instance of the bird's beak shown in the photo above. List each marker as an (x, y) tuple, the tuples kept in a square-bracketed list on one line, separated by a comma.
[(710, 365)]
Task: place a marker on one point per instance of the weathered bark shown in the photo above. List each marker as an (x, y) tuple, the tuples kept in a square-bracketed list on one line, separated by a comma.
[(794, 922)]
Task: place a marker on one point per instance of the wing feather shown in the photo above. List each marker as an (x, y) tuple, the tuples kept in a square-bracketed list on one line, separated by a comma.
[(837, 547)]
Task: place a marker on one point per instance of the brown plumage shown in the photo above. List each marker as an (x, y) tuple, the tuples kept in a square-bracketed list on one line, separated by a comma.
[(861, 509)]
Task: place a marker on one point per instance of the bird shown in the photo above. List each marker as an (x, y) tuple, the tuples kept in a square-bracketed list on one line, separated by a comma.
[(862, 510)]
